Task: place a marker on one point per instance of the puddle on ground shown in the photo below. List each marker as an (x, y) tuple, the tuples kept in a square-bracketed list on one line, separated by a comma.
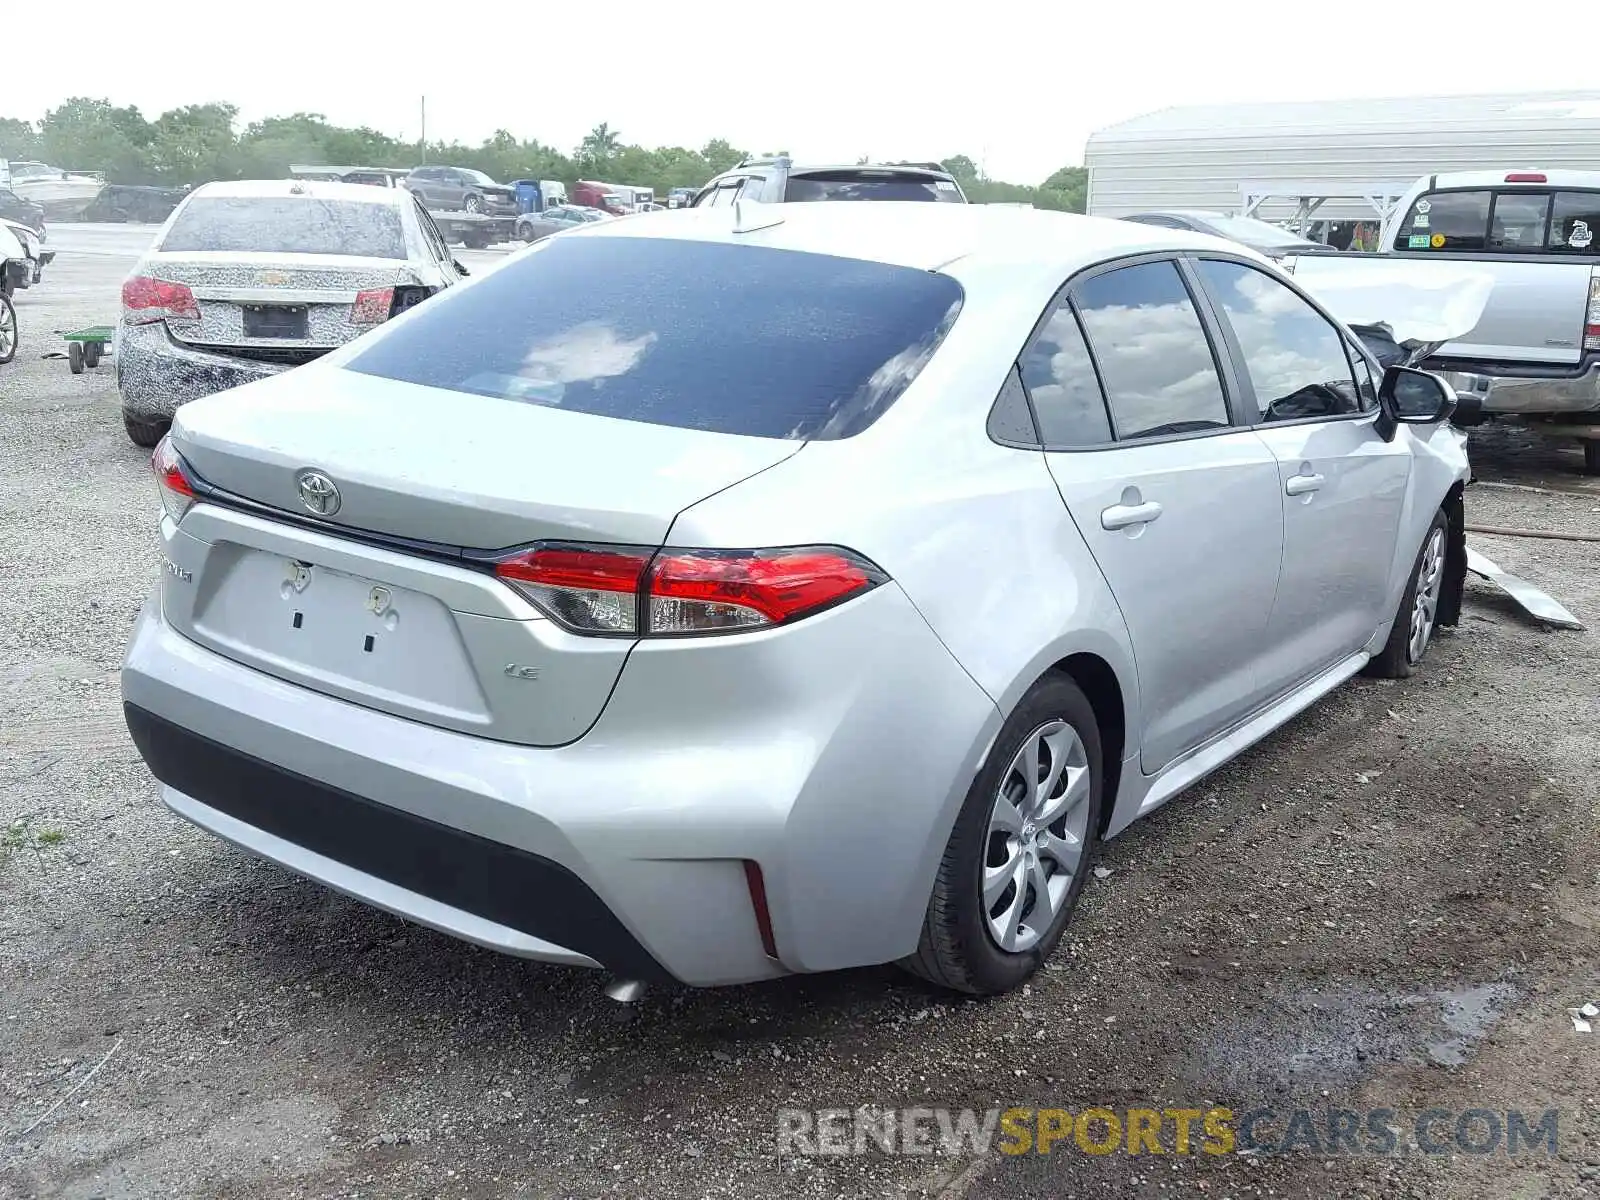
[(1331, 1038)]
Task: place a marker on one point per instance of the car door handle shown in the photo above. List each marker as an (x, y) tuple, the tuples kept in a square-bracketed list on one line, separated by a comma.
[(1299, 485), (1121, 516)]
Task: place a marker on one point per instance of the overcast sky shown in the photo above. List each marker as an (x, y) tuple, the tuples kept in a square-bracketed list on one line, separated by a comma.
[(1017, 84)]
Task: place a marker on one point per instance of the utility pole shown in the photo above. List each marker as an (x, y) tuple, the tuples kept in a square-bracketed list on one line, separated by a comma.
[(422, 146)]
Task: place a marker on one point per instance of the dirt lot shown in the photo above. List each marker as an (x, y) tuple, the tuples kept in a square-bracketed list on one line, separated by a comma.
[(1390, 904)]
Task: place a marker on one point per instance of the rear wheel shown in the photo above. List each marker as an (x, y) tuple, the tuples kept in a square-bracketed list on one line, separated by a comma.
[(142, 432), (9, 336), (1021, 848), (1415, 619), (1591, 456), (75, 357), (91, 354)]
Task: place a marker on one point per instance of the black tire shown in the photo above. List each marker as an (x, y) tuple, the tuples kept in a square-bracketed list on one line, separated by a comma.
[(1591, 456), (75, 357), (957, 950), (13, 336), (91, 354), (1396, 660), (526, 234), (473, 204), (142, 432)]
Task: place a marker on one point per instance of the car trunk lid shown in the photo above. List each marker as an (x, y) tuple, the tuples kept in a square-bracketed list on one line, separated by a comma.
[(378, 602), (272, 302)]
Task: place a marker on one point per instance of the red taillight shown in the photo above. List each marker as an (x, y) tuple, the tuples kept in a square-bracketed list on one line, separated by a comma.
[(372, 307), (705, 591), (177, 493), (606, 589), (145, 300), (1591, 326), (589, 589), (1526, 177)]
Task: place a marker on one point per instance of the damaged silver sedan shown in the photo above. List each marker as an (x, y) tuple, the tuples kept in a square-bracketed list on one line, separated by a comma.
[(249, 279)]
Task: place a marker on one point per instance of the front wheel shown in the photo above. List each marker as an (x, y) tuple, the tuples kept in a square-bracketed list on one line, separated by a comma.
[(1417, 617), (473, 204), (1021, 848), (9, 337), (1591, 456)]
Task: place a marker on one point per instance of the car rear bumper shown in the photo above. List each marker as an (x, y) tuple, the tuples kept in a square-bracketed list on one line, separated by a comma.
[(156, 375), (836, 765), (1571, 392)]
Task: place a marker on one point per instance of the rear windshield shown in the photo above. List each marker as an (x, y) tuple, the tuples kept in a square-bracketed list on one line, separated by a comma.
[(287, 225), (854, 185), (1503, 221), (698, 335)]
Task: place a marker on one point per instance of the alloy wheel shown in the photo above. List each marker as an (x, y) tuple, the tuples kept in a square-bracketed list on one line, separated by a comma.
[(8, 330), (1425, 605), (1038, 826)]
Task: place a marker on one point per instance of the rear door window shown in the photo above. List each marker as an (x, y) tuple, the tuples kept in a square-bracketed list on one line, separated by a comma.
[(1154, 356), (286, 225), (1445, 221), (1575, 223), (1518, 222), (698, 335)]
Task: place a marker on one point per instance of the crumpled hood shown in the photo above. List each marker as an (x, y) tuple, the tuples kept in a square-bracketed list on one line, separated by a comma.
[(1419, 301)]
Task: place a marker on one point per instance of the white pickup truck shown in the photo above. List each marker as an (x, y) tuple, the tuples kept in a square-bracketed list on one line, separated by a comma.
[(1534, 354)]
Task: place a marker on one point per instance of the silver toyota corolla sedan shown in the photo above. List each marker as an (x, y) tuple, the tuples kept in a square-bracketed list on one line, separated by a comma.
[(772, 589)]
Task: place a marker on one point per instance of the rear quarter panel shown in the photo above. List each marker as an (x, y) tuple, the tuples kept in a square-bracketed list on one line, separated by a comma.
[(974, 532)]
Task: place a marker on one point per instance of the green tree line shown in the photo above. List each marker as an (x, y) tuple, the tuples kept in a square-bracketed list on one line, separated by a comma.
[(202, 142)]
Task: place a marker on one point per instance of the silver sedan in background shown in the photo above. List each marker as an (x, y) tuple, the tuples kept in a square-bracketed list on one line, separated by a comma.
[(714, 596), (249, 279)]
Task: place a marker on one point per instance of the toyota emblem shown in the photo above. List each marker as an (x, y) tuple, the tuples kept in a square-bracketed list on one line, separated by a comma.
[(318, 493)]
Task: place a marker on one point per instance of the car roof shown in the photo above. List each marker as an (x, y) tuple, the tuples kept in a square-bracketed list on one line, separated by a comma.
[(320, 189), (1497, 179), (921, 235)]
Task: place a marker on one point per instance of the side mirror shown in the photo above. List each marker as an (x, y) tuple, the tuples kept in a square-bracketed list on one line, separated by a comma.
[(460, 268), (1412, 397)]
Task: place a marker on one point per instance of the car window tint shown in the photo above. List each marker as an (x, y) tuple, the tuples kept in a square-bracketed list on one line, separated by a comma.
[(1575, 223), (1153, 353), (1445, 221), (287, 225), (698, 335), (1060, 378), (1295, 356), (1518, 221)]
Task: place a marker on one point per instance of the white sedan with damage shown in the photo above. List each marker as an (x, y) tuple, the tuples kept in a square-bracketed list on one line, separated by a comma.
[(248, 279)]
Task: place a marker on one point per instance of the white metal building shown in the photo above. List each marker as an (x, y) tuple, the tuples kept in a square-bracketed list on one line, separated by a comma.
[(1344, 160)]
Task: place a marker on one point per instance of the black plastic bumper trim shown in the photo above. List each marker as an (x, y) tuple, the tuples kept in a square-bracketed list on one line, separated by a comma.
[(488, 879)]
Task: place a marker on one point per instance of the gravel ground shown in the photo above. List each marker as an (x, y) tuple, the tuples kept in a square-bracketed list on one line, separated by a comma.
[(1389, 904)]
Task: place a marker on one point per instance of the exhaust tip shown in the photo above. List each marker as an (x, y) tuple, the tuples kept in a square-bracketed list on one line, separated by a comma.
[(626, 991)]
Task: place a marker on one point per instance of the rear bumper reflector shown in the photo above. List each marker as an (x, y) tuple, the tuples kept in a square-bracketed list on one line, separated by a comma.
[(758, 901)]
